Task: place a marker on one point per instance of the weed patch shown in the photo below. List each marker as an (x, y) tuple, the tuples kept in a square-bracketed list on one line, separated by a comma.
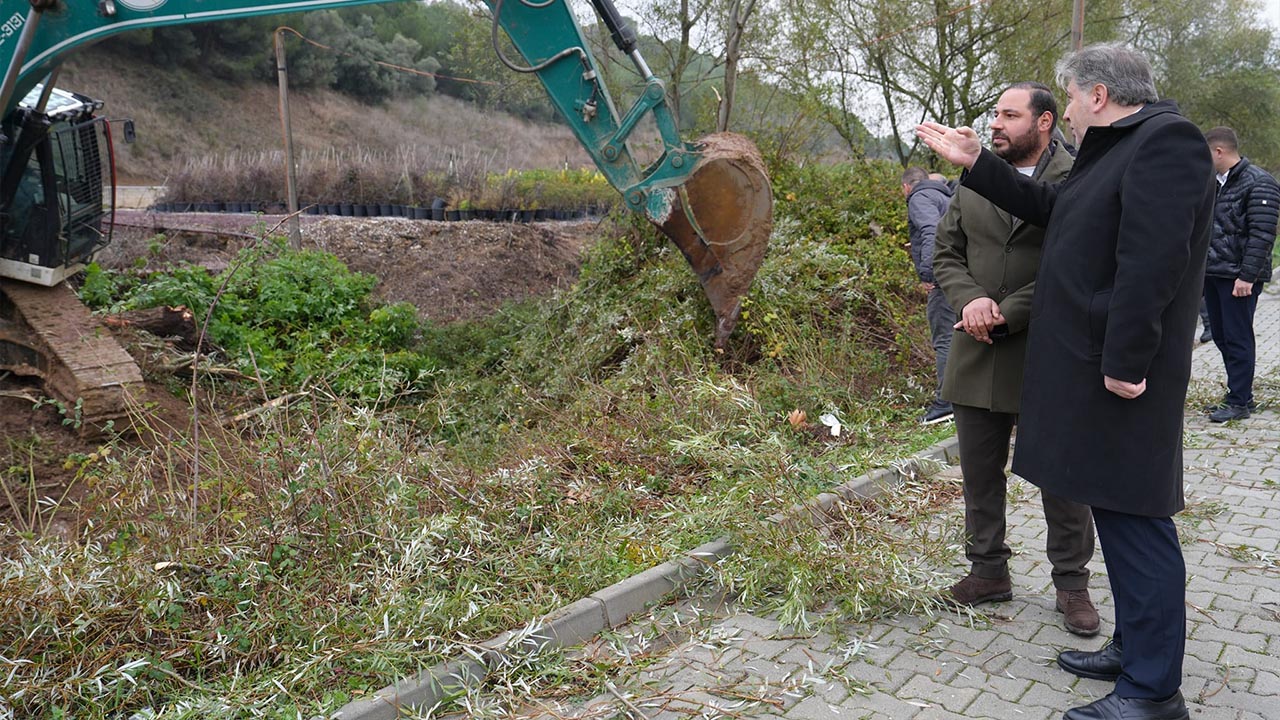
[(435, 485)]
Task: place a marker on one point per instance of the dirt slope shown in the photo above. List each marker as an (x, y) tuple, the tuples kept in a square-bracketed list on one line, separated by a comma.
[(451, 271)]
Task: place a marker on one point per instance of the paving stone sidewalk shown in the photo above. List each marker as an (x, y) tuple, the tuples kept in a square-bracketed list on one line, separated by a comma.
[(726, 663)]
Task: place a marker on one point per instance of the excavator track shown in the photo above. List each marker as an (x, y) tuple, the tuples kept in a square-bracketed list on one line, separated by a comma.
[(73, 355)]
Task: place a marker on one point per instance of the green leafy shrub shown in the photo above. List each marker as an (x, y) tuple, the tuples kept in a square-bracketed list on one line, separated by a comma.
[(557, 188), (292, 318)]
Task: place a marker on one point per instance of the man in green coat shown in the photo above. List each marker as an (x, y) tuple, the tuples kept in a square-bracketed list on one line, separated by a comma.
[(985, 263)]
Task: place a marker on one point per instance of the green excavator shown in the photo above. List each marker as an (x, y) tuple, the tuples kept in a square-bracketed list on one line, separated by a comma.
[(711, 197)]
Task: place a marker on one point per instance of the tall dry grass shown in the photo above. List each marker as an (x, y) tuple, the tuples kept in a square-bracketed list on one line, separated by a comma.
[(408, 175), (180, 116)]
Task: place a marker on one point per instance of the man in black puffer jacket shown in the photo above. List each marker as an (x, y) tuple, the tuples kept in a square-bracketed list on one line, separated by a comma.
[(1244, 230)]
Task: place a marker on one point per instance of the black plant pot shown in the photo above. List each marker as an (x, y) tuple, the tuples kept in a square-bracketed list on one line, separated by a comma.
[(452, 215), (437, 213), (421, 213), (346, 209)]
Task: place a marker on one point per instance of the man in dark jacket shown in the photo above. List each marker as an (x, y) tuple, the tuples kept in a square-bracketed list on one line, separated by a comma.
[(927, 201), (1244, 229), (986, 263), (1109, 356)]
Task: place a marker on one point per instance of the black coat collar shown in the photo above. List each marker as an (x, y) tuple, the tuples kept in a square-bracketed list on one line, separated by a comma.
[(1095, 137), (1236, 169), (1147, 112)]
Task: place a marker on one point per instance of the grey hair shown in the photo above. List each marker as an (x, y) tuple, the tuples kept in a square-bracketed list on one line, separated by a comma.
[(1124, 71), (913, 175)]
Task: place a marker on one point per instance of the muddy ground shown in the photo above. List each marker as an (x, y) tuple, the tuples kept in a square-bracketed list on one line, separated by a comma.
[(449, 270)]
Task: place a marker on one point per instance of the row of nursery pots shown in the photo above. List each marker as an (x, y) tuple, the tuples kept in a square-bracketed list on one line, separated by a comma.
[(386, 210)]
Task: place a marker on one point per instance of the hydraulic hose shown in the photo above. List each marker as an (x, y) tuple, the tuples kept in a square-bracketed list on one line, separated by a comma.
[(624, 36), (497, 47)]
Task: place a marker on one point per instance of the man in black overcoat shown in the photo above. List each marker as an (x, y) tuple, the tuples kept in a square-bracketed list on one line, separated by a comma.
[(1109, 354)]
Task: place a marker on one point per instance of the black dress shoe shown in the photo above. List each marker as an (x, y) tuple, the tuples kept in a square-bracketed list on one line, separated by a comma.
[(1114, 707), (1214, 407), (1101, 665), (1227, 413)]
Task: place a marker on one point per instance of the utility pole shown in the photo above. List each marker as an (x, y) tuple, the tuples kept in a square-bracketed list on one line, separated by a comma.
[(1077, 25), (291, 168)]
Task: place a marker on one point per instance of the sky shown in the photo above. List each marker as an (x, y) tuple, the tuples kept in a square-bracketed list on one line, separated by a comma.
[(1271, 12)]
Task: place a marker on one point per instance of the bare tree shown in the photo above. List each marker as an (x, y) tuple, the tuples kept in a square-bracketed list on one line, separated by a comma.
[(943, 60), (740, 12)]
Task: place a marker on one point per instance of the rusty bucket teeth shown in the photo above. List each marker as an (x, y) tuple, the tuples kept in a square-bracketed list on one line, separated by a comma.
[(721, 220)]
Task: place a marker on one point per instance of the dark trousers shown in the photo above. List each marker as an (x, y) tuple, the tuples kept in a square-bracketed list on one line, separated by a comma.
[(984, 450), (1231, 322), (942, 320), (1147, 574)]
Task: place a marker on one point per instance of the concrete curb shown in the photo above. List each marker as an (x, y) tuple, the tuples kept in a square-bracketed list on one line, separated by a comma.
[(580, 621)]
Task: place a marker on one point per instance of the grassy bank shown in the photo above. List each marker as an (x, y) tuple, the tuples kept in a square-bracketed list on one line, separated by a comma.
[(437, 485)]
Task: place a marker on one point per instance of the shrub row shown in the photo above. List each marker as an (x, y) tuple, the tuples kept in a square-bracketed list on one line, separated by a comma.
[(389, 210), (402, 178)]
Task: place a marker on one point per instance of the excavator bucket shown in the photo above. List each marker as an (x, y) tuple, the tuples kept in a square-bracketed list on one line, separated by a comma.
[(721, 218)]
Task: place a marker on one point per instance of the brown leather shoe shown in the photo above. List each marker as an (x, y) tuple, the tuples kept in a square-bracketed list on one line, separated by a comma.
[(974, 590), (1079, 613)]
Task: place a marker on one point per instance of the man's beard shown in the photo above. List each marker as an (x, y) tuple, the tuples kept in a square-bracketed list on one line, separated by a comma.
[(1020, 149)]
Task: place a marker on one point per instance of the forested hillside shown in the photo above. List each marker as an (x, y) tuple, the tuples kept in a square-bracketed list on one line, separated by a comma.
[(185, 116), (386, 77)]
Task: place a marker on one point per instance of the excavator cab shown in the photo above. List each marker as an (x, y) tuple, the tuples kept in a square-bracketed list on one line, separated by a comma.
[(56, 163)]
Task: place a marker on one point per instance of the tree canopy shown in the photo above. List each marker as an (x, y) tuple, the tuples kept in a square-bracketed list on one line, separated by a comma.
[(810, 77)]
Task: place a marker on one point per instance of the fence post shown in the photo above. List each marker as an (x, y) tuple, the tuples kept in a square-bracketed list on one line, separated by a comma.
[(291, 168)]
